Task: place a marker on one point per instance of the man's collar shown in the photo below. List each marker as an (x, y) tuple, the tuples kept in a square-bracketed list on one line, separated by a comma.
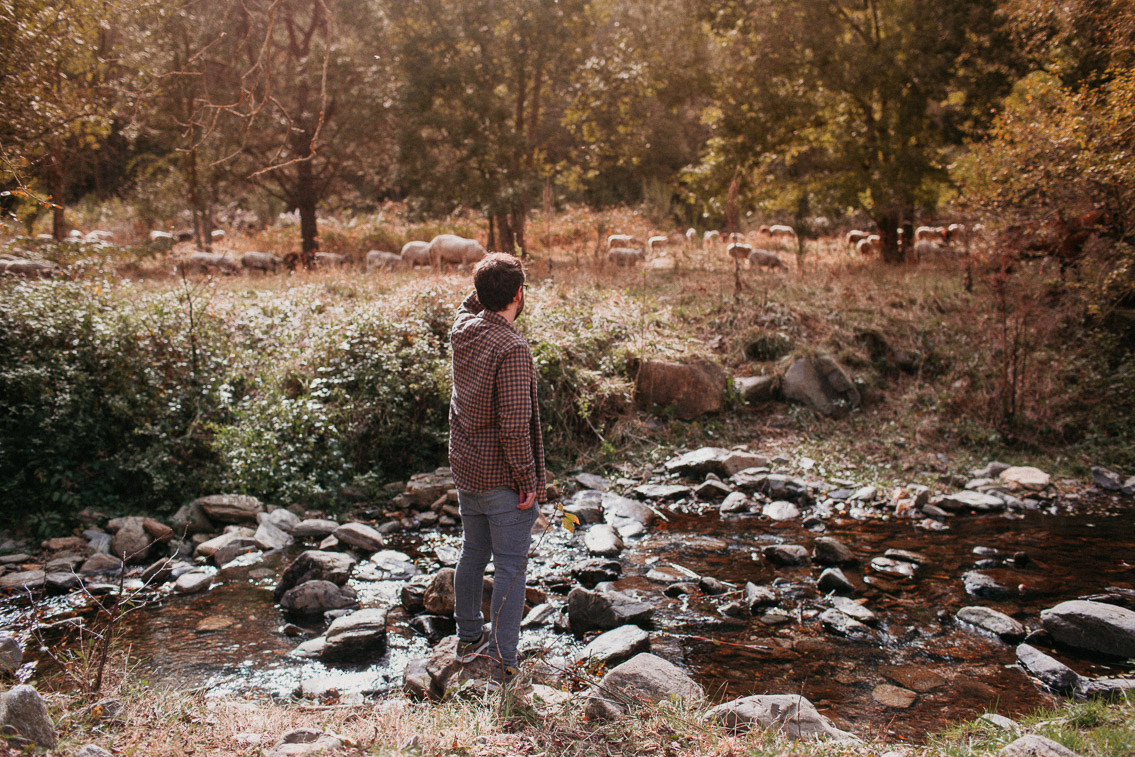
[(494, 317)]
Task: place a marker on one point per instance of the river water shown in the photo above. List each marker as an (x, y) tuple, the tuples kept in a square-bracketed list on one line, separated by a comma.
[(229, 639)]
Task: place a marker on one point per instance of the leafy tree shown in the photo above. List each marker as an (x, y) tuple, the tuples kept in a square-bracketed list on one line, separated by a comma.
[(832, 105)]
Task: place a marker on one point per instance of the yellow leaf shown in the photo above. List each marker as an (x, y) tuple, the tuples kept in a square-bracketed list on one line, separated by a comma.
[(570, 521)]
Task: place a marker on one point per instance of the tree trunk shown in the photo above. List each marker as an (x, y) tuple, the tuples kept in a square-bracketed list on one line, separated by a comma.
[(492, 246), (58, 187), (305, 202), (888, 223), (195, 198)]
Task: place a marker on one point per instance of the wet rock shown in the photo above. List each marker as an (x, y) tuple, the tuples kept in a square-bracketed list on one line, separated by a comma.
[(314, 528), (61, 583), (192, 583), (997, 623), (832, 580), (439, 597), (158, 573), (24, 580), (692, 390), (1106, 479), (316, 597), (210, 547), (23, 711), (423, 489), (758, 596), (712, 491), (711, 586), (615, 507), (670, 574), (617, 645), (1033, 745), (269, 537), (592, 481), (591, 572), (233, 549), (894, 697), (698, 463), (829, 551), (1106, 688), (1025, 478), (790, 715), (1054, 674), (100, 563), (982, 586), (592, 610), (781, 510), (538, 615), (394, 564), (214, 623), (587, 506), (359, 638), (785, 554), (315, 565), (820, 383), (842, 625), (970, 500), (413, 594), (645, 678), (891, 567), (305, 742), (662, 492), (1093, 626), (11, 654), (853, 609), (905, 555), (603, 541), (754, 389), (360, 536), (230, 508)]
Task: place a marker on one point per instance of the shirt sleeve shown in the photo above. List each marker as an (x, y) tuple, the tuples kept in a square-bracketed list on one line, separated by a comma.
[(470, 308), (514, 392)]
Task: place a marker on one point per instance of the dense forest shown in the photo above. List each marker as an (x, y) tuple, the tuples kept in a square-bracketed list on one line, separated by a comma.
[(709, 113)]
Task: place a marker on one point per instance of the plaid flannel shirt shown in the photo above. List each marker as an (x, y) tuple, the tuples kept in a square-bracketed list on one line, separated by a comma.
[(494, 420)]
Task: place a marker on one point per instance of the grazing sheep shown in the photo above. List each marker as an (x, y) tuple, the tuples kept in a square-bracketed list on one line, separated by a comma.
[(260, 261), (924, 247), (956, 232), (853, 237), (454, 250), (329, 260), (872, 245), (380, 259), (29, 269), (99, 236), (208, 262), (416, 254), (691, 237), (710, 239), (930, 233), (655, 242), (782, 233), (620, 240), (625, 256), (739, 251), (765, 259)]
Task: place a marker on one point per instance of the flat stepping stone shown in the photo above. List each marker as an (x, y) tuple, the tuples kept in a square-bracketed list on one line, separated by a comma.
[(894, 697)]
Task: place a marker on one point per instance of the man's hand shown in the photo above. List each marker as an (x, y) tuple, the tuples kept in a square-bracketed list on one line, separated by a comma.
[(526, 500)]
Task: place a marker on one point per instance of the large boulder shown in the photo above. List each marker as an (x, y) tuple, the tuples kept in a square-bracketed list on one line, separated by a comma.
[(1054, 674), (699, 462), (314, 565), (754, 389), (1025, 477), (819, 382), (131, 541), (1033, 745), (440, 598), (643, 679), (1093, 626), (359, 536), (11, 654), (23, 580), (593, 610), (615, 646), (214, 545), (988, 619), (691, 389), (317, 597), (22, 711), (603, 541), (357, 638), (829, 551), (970, 500), (790, 715), (230, 508)]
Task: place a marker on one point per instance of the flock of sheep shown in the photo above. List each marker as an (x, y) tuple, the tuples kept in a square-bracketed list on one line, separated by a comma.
[(620, 252), (928, 240)]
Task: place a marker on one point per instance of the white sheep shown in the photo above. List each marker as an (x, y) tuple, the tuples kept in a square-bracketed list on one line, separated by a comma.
[(625, 256), (872, 245), (330, 260), (782, 233), (416, 254), (619, 240), (691, 237), (930, 234), (710, 239), (926, 247), (739, 251), (260, 261), (765, 259), (454, 250), (31, 269), (385, 260), (854, 236), (654, 242), (207, 262)]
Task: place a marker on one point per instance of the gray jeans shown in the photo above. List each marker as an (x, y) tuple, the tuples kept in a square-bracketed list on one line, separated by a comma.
[(494, 528)]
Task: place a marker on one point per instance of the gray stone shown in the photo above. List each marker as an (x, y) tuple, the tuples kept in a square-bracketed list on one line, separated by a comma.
[(603, 541), (1106, 479), (615, 506), (306, 742), (230, 508), (758, 596), (417, 681), (101, 563), (734, 503), (698, 463), (592, 481), (789, 715), (905, 555), (892, 696), (663, 492), (158, 573), (594, 571), (446, 672), (192, 583), (617, 645), (754, 389), (394, 564), (829, 551), (970, 500), (588, 512), (832, 580), (61, 583), (1093, 626), (314, 528), (23, 711), (233, 549), (11, 655), (991, 470), (864, 494), (314, 565), (1033, 745), (64, 562), (131, 542), (643, 679), (283, 519), (269, 537), (844, 625), (891, 567), (209, 548), (92, 750), (1000, 722), (1054, 674), (538, 615), (739, 460), (423, 489), (316, 597), (712, 491), (781, 510), (997, 623), (1025, 478), (359, 637), (191, 519), (853, 609), (1106, 688), (785, 554), (980, 585), (690, 390), (1128, 487), (360, 536), (593, 610), (820, 383), (24, 580)]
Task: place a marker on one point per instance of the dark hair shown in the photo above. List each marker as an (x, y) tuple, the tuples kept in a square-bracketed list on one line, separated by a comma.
[(497, 277)]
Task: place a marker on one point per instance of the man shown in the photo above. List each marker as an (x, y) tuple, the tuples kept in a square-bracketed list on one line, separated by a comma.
[(497, 456)]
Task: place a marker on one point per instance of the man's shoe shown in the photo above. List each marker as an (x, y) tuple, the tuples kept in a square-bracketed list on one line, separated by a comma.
[(503, 678), (467, 651)]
